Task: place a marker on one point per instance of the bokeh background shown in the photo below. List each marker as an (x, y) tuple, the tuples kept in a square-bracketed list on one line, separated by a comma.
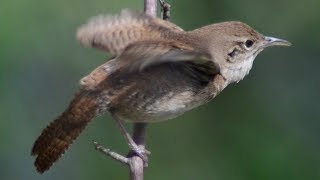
[(266, 127)]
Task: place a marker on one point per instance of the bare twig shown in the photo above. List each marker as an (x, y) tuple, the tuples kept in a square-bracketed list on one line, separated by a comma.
[(136, 163), (110, 153), (165, 10), (150, 7), (136, 168)]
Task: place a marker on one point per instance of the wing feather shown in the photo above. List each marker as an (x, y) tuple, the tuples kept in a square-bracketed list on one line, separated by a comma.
[(144, 55), (114, 33)]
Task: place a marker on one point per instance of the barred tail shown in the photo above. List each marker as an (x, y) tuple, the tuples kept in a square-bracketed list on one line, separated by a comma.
[(60, 133)]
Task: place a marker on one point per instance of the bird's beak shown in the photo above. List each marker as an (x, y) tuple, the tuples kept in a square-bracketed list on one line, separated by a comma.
[(271, 41)]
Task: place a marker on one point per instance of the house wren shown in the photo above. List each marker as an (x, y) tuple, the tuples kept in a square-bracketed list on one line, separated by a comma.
[(158, 72)]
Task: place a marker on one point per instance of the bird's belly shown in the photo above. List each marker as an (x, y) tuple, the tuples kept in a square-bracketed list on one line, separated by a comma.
[(152, 109)]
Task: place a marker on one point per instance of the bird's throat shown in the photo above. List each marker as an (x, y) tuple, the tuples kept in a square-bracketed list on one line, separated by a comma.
[(236, 72)]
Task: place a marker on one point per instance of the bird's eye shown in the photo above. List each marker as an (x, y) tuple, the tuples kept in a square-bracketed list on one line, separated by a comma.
[(248, 43)]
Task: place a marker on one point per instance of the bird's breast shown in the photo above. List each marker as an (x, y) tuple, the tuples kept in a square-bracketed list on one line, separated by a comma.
[(138, 107)]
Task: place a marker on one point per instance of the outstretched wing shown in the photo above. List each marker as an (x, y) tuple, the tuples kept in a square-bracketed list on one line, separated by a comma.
[(114, 33), (143, 55)]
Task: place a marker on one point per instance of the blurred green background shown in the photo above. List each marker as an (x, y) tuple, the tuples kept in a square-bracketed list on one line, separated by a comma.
[(266, 127)]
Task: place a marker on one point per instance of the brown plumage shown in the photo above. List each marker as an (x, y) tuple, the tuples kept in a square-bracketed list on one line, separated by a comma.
[(57, 136), (158, 72), (114, 33)]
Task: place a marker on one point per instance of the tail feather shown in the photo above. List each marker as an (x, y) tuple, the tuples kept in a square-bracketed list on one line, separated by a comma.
[(57, 137)]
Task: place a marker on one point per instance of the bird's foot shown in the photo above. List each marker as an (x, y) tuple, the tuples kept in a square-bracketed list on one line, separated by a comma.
[(139, 151)]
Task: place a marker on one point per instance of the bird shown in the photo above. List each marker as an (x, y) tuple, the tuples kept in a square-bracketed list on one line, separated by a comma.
[(158, 72)]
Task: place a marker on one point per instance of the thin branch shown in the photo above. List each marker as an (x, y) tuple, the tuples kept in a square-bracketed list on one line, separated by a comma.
[(110, 153), (150, 7), (165, 10)]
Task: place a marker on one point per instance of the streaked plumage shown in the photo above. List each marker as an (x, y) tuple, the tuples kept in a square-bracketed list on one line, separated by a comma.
[(158, 72)]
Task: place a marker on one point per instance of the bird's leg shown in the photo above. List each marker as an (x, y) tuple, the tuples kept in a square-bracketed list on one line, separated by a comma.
[(139, 150)]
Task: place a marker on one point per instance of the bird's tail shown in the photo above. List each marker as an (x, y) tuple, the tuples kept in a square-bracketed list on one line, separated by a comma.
[(60, 133)]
